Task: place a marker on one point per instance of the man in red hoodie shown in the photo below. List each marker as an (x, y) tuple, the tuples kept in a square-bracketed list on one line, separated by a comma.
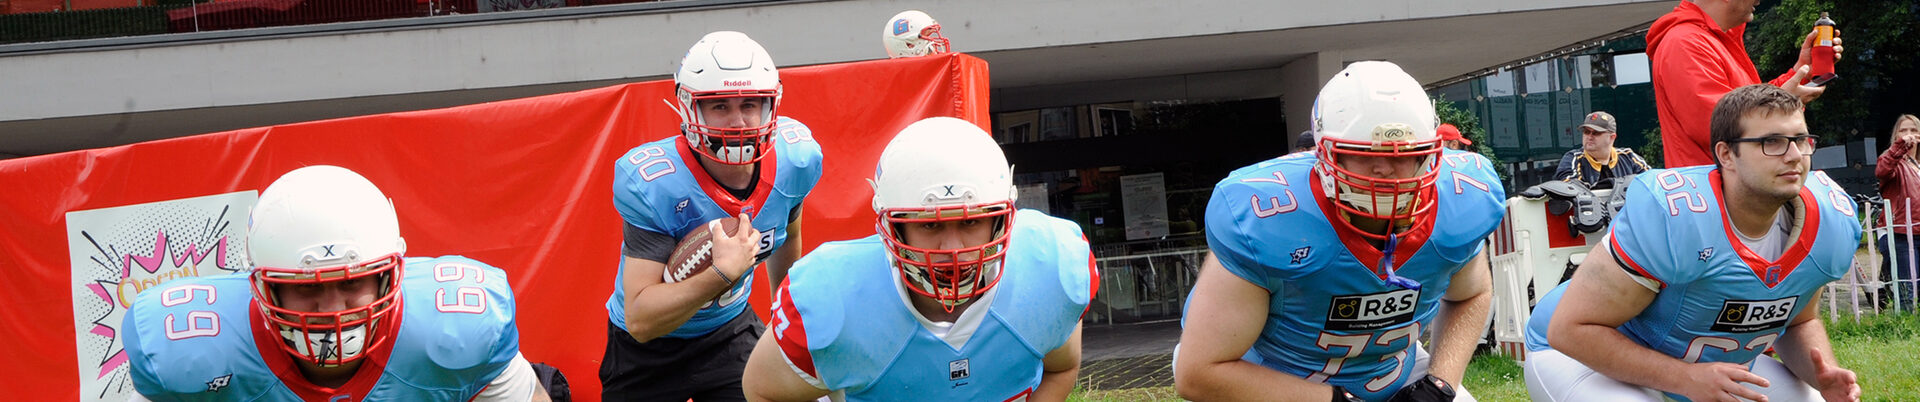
[(1698, 54)]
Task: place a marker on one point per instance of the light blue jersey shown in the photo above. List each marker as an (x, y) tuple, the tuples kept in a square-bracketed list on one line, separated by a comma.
[(1333, 316), (658, 187), (202, 339), (843, 320), (1717, 301)]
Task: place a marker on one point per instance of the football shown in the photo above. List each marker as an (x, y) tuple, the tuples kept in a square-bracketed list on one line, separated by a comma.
[(694, 254)]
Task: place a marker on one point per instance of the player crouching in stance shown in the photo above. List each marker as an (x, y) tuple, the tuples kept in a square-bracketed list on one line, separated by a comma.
[(1704, 269), (956, 280), (1322, 290), (331, 311)]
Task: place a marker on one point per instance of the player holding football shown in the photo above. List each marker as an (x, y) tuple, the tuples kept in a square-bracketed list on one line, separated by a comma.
[(1321, 290), (331, 311), (673, 341), (1703, 270), (960, 297)]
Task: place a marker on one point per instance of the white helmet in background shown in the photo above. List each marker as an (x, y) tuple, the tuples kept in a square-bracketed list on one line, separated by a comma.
[(725, 65), (936, 170), (912, 33), (318, 225), (1374, 109)]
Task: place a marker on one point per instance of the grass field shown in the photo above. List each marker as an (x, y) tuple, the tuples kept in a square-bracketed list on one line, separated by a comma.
[(1884, 350)]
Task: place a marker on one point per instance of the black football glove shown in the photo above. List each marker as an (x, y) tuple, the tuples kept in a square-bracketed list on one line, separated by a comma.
[(1425, 389)]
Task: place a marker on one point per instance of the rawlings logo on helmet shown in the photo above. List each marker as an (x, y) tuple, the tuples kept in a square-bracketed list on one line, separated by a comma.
[(1393, 132)]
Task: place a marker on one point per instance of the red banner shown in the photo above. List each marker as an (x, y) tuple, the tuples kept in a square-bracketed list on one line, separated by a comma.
[(523, 184)]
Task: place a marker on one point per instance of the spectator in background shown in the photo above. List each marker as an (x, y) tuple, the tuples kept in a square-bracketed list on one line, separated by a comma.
[(1304, 142), (1450, 137), (1899, 175), (1597, 161), (1699, 54)]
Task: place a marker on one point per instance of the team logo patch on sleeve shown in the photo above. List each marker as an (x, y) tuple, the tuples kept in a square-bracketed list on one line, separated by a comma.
[(219, 383), (1743, 316), (1372, 311)]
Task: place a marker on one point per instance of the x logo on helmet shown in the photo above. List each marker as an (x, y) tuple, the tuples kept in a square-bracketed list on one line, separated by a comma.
[(949, 191), (328, 249)]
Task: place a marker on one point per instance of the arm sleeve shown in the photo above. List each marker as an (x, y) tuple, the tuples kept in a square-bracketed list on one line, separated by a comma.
[(646, 244), (1228, 239), (1696, 79), (789, 332), (1567, 172), (1637, 164), (515, 384), (1889, 161), (1638, 236)]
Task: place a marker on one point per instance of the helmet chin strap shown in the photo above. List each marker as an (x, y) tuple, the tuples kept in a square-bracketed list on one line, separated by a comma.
[(328, 345)]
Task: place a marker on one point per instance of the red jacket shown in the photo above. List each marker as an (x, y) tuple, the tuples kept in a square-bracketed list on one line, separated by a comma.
[(1694, 64), (1899, 182)]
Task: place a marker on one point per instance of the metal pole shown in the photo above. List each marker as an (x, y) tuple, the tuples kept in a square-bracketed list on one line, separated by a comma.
[(1893, 252), (1109, 303), (1853, 281), (1894, 274)]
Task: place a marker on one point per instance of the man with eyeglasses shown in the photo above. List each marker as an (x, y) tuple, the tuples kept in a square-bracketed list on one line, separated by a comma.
[(1705, 268), (1597, 161)]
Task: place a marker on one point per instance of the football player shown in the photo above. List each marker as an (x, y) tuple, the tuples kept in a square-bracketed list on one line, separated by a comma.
[(331, 311), (1323, 289), (735, 157), (960, 297), (1705, 268)]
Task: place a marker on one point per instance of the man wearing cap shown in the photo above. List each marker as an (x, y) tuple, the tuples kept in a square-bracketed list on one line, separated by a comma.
[(1450, 137), (1304, 142), (1597, 160)]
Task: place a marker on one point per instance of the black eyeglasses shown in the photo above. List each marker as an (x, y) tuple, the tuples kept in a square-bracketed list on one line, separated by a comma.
[(1777, 145)]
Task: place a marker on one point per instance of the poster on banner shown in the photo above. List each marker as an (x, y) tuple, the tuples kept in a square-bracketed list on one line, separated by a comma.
[(1565, 119), (118, 252), (1505, 127), (1144, 202), (1537, 113)]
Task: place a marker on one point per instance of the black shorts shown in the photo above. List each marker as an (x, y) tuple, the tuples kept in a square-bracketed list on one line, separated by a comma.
[(706, 368)]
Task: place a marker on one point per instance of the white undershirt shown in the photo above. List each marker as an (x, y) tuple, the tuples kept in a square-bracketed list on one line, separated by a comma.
[(1768, 246), (955, 333), (1774, 242)]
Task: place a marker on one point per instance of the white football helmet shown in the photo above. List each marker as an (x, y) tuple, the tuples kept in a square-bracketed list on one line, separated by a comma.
[(938, 170), (725, 65), (318, 225), (912, 33), (1374, 109)]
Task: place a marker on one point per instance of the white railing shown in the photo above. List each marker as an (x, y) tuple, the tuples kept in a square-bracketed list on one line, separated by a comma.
[(1151, 284), (1864, 288)]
